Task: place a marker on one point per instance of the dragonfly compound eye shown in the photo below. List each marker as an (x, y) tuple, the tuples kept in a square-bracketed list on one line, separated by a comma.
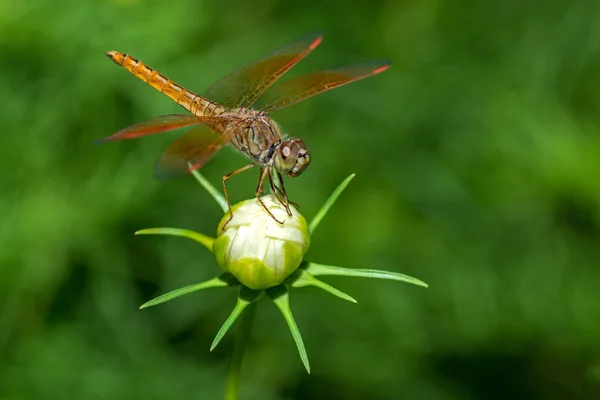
[(291, 158)]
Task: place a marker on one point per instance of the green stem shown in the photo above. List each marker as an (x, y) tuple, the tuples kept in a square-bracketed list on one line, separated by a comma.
[(232, 389)]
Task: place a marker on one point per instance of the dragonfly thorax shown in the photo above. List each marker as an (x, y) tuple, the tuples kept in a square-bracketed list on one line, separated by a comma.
[(259, 137)]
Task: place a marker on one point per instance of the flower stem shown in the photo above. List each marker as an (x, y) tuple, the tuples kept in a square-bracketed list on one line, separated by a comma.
[(232, 389)]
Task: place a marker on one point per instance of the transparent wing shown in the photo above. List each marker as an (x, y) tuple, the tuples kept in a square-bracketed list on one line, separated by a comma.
[(155, 125), (190, 152), (303, 87), (242, 87)]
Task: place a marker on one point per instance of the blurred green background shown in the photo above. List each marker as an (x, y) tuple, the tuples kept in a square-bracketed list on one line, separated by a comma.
[(477, 158)]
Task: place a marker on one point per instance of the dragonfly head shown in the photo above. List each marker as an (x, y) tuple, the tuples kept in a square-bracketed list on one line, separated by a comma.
[(291, 157)]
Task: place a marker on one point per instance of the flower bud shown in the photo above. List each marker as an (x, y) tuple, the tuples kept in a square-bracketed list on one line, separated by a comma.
[(256, 249)]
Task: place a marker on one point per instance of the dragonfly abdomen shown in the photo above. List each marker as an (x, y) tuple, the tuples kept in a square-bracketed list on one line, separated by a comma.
[(195, 104)]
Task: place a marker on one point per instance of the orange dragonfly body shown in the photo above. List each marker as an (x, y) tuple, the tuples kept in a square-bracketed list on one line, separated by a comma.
[(235, 110)]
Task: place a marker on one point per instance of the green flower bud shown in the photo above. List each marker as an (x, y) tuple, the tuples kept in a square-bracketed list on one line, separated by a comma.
[(256, 249)]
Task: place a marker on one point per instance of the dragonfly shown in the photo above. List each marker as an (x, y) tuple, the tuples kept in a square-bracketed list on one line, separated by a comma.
[(236, 109)]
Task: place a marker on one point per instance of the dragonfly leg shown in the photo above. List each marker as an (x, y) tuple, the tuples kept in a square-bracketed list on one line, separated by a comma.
[(277, 192), (288, 202), (281, 190), (225, 178), (259, 188)]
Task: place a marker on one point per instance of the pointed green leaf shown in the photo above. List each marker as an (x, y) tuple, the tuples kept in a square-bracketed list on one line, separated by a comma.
[(330, 201), (280, 296), (245, 297), (301, 278), (198, 237), (222, 280), (219, 198), (336, 292), (319, 270)]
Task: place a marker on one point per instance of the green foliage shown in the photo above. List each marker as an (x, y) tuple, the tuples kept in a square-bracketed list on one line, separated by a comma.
[(245, 298), (281, 298), (222, 280), (327, 205), (301, 278), (476, 157), (195, 236)]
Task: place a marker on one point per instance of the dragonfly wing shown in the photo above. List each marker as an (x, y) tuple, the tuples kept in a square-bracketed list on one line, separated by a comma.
[(295, 90), (242, 87), (190, 152), (155, 125)]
